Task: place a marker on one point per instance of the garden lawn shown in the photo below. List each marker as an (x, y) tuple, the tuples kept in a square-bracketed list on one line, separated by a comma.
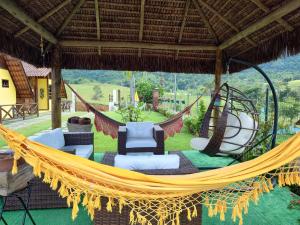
[(87, 91)]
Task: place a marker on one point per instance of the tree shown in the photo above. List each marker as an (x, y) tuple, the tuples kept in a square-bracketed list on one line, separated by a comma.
[(145, 87), (97, 92)]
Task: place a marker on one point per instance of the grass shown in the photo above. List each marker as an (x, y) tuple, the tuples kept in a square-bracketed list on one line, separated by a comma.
[(87, 92), (295, 84)]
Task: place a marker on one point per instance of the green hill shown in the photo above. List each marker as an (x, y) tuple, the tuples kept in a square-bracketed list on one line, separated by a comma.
[(87, 91), (281, 70)]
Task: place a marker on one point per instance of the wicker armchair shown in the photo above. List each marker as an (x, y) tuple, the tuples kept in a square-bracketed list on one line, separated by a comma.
[(141, 137), (42, 196)]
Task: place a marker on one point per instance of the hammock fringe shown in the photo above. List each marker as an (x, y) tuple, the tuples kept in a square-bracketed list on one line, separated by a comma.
[(155, 200)]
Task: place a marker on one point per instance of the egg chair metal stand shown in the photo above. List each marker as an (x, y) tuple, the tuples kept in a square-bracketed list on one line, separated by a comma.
[(274, 95)]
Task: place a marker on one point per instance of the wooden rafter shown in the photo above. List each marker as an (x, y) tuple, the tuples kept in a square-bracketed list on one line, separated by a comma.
[(19, 14), (281, 21), (206, 21), (43, 18), (97, 23), (271, 17), (66, 21), (141, 31), (224, 20), (69, 17), (186, 9), (119, 44)]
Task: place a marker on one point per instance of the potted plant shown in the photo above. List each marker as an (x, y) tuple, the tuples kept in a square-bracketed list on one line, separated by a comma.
[(77, 124)]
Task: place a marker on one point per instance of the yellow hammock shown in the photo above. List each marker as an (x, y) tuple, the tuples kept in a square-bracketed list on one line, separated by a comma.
[(158, 199)]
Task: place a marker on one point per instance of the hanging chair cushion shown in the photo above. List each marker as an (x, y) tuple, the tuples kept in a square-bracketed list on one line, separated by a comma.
[(232, 127), (232, 134), (242, 138), (199, 143)]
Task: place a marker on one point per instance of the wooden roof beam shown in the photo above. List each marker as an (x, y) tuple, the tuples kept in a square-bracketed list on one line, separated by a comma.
[(21, 15), (141, 31), (66, 21), (206, 21), (43, 18), (186, 9), (273, 16), (200, 2), (97, 23), (264, 8), (112, 44), (69, 17)]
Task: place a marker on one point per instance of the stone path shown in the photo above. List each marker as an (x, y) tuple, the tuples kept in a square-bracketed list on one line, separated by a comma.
[(18, 124)]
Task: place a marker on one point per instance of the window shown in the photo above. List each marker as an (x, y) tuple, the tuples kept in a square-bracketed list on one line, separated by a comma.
[(5, 83)]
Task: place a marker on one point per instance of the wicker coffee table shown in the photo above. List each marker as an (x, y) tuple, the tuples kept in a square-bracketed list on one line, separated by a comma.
[(115, 218)]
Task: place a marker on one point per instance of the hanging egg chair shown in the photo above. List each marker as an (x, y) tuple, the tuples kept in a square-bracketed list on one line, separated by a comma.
[(230, 124)]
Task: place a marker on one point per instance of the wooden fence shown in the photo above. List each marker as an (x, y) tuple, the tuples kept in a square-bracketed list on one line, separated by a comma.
[(79, 107), (18, 111)]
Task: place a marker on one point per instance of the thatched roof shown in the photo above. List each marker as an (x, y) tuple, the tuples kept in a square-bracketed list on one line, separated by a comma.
[(152, 35), (21, 82)]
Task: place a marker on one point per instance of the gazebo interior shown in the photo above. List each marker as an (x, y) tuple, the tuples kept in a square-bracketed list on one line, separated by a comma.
[(176, 36), (190, 36)]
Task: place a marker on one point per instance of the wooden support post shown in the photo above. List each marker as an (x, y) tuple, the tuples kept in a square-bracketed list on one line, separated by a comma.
[(218, 73), (0, 114), (56, 88), (218, 69)]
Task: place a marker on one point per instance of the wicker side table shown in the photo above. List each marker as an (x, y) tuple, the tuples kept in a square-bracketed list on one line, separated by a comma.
[(115, 218)]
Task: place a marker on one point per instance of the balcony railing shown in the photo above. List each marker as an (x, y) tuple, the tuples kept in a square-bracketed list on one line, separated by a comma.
[(18, 111)]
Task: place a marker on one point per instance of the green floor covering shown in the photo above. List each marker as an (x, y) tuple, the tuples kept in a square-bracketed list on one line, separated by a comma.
[(271, 210)]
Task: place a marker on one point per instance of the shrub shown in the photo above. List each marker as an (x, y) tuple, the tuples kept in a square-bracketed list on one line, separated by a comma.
[(165, 112), (144, 89), (131, 113), (193, 123)]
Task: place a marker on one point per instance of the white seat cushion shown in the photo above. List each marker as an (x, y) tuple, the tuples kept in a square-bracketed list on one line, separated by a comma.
[(54, 138), (232, 126), (147, 162), (139, 129), (199, 143), (58, 138), (133, 142), (243, 137), (84, 151)]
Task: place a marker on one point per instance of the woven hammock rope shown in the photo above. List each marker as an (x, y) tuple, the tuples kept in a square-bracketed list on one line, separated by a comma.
[(158, 199)]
